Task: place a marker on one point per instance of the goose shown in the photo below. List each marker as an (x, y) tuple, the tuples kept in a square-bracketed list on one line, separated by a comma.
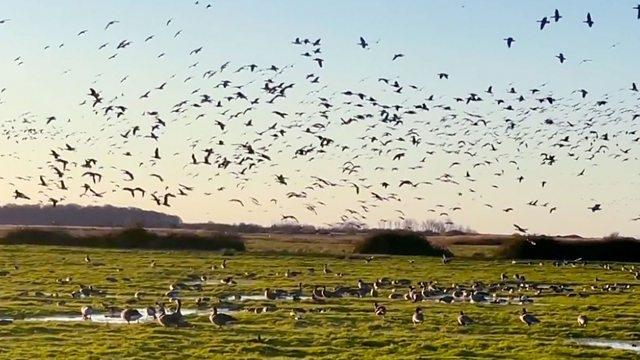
[(220, 319), (228, 281), (296, 294), (151, 312), (477, 297), (528, 318), (130, 315), (326, 269), (379, 310), (418, 316), (394, 295), (269, 295), (582, 320), (326, 293), (86, 312), (317, 293), (447, 299), (290, 274), (464, 320), (174, 319)]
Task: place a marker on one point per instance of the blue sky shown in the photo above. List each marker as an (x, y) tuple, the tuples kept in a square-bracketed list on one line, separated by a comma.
[(461, 38)]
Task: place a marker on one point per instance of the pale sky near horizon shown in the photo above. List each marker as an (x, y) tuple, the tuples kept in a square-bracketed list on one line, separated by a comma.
[(47, 70)]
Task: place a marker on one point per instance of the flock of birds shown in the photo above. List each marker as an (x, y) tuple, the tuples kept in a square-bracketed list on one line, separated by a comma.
[(515, 289), (249, 127)]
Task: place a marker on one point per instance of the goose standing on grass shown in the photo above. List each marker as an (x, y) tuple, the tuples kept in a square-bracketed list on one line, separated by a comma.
[(464, 320), (269, 295), (174, 319), (326, 270), (220, 319), (582, 320), (130, 315), (418, 316), (380, 310), (528, 318), (86, 312)]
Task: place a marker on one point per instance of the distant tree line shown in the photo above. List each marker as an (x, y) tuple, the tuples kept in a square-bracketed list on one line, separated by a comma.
[(111, 216), (76, 215), (426, 227)]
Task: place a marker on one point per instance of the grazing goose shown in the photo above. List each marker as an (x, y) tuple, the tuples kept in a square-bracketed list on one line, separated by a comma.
[(130, 315), (380, 310), (220, 319), (464, 320), (86, 312), (151, 312), (418, 316), (528, 318), (582, 320)]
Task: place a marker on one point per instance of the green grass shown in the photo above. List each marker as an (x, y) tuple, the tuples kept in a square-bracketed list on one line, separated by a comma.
[(348, 330)]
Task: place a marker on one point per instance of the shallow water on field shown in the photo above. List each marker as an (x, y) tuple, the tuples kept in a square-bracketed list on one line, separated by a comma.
[(614, 344), (114, 318)]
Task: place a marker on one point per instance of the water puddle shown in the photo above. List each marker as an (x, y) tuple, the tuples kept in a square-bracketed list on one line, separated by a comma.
[(614, 344), (114, 318)]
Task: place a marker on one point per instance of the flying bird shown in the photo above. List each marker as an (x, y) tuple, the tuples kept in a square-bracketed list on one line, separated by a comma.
[(544, 21), (363, 44), (509, 41), (561, 58), (112, 22), (589, 21)]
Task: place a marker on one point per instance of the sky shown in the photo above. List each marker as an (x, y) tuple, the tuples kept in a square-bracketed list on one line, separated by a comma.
[(47, 70)]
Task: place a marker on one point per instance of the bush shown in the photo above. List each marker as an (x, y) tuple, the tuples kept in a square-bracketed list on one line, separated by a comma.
[(398, 242), (134, 238), (548, 248)]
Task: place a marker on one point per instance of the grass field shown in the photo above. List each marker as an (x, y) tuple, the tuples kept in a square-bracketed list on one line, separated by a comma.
[(336, 328)]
